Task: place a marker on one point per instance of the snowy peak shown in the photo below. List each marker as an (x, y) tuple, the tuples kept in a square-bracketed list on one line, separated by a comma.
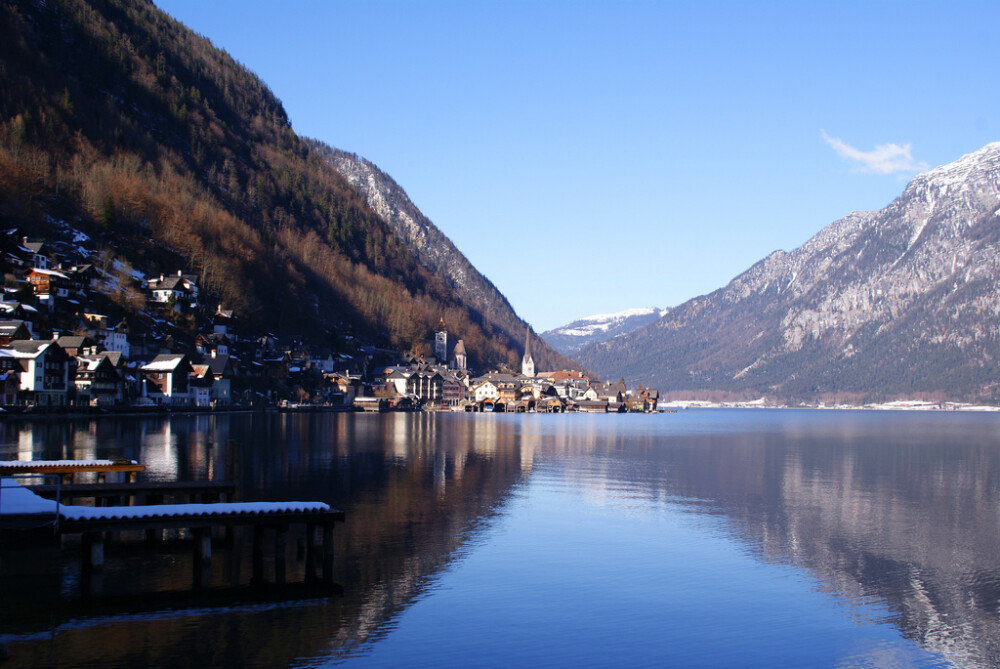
[(600, 327)]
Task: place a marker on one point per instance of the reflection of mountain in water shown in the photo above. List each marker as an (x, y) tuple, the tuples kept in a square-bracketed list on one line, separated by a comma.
[(900, 510), (906, 515), (416, 490), (415, 493)]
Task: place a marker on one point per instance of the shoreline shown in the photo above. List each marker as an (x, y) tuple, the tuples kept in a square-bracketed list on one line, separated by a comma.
[(896, 405)]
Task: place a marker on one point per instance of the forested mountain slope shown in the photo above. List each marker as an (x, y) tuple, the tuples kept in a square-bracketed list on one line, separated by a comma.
[(901, 302), (120, 120), (435, 252)]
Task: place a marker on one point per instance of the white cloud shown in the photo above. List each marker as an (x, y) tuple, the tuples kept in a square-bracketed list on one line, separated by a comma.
[(883, 159)]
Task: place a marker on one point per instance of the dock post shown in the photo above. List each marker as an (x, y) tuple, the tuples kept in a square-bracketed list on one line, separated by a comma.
[(313, 548), (328, 552), (257, 577), (92, 564), (202, 562), (93, 552), (280, 549)]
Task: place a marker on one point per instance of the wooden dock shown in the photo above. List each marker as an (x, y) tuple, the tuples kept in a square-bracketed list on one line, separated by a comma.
[(68, 468), (265, 518), (128, 494), (21, 507)]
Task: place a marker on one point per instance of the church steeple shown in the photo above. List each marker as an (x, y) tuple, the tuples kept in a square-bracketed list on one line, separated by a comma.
[(527, 364)]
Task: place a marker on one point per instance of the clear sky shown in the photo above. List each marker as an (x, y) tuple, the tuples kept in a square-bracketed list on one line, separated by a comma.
[(589, 157)]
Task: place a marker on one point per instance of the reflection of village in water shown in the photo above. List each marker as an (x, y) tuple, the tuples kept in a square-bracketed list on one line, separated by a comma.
[(874, 514)]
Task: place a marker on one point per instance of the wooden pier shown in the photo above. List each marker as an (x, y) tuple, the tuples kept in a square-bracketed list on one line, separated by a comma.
[(21, 507), (68, 468), (128, 494), (266, 519)]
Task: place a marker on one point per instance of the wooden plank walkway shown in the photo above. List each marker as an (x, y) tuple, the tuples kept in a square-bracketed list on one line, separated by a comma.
[(67, 468), (114, 494)]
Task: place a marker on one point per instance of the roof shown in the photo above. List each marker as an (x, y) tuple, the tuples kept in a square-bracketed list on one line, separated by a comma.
[(218, 364), (74, 341), (9, 327), (29, 348), (168, 283), (167, 362), (48, 272)]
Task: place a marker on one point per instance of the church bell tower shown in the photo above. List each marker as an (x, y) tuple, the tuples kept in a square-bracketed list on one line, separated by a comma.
[(441, 343)]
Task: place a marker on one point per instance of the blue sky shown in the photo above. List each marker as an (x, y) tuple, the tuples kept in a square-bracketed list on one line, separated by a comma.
[(589, 157)]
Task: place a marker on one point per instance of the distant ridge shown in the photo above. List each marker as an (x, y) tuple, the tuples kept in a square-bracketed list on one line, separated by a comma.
[(570, 338), (903, 302)]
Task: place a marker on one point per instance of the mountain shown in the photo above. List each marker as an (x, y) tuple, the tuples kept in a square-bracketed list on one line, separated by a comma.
[(434, 251), (900, 302), (121, 123), (570, 338)]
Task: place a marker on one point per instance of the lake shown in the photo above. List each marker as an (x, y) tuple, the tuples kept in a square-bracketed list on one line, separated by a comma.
[(705, 538)]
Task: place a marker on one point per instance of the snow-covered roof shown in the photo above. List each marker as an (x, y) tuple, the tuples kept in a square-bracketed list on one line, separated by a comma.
[(163, 363), (50, 272), (28, 348)]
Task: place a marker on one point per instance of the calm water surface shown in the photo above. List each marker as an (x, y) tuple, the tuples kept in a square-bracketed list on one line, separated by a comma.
[(703, 538)]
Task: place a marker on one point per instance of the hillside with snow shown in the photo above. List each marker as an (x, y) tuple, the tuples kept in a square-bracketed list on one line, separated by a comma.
[(572, 337)]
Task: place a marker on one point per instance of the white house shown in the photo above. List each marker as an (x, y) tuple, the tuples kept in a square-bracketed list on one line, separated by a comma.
[(44, 370), (487, 390)]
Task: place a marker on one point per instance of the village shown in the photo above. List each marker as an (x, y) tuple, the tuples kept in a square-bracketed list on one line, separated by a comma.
[(97, 363)]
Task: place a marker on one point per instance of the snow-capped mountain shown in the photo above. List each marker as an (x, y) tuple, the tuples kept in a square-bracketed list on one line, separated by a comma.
[(570, 338), (898, 302)]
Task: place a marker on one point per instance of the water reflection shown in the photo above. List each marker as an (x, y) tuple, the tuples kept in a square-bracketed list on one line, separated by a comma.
[(896, 509)]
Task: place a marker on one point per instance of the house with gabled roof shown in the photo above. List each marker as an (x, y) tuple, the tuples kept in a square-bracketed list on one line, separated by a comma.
[(36, 253), (612, 392), (10, 384), (212, 343), (200, 383), (452, 390), (77, 345), (165, 379), (425, 384), (46, 371), (99, 380), (48, 284), (18, 311), (224, 321), (177, 289), (13, 331), (221, 369), (484, 390)]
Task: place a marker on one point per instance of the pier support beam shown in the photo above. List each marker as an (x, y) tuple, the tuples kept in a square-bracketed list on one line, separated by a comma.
[(280, 550), (93, 552), (202, 562), (257, 578), (314, 548), (328, 552)]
